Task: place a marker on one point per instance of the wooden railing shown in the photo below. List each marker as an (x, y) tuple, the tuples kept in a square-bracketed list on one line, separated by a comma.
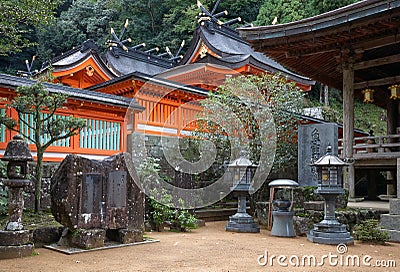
[(165, 116), (374, 146)]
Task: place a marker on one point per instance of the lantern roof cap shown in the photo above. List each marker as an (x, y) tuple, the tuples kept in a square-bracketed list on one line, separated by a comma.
[(283, 183), (329, 159), (17, 150), (242, 161)]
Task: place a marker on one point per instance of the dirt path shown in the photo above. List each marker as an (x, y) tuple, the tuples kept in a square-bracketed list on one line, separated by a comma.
[(209, 248)]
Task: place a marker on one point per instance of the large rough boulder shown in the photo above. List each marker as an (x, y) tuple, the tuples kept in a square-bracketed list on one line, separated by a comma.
[(90, 194)]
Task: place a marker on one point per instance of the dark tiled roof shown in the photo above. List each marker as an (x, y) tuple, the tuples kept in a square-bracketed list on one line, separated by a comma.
[(76, 56), (234, 51), (9, 81), (124, 63)]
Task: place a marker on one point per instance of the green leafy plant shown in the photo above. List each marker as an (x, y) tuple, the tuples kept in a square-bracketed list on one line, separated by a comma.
[(161, 211), (182, 219), (370, 231), (283, 194), (309, 193)]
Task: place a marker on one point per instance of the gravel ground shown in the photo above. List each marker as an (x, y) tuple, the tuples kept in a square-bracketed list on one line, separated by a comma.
[(211, 248)]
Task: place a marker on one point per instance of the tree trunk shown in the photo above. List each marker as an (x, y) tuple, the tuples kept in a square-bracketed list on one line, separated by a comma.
[(38, 177), (326, 96), (320, 93)]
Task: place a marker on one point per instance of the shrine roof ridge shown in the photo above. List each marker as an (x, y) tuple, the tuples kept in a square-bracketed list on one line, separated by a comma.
[(152, 79), (143, 56)]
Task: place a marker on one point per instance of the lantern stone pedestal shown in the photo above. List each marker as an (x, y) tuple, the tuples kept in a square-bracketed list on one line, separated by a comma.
[(242, 221), (14, 240), (329, 231)]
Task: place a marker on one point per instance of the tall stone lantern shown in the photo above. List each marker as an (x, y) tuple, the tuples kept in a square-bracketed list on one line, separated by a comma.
[(242, 172), (329, 230), (14, 240)]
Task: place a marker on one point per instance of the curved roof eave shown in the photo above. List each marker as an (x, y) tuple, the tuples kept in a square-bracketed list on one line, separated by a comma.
[(243, 60), (330, 19), (76, 57), (74, 93)]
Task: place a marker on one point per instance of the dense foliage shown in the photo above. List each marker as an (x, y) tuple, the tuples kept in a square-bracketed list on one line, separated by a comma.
[(156, 22), (367, 117), (3, 190), (253, 113), (161, 212), (17, 19), (287, 11)]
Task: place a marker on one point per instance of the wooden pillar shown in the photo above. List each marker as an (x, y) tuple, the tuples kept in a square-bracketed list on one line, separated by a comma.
[(391, 113), (348, 126), (372, 181), (326, 96), (398, 178)]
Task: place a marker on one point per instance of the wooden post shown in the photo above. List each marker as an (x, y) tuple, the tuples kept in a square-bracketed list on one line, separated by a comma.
[(326, 96), (391, 113), (348, 125), (398, 178)]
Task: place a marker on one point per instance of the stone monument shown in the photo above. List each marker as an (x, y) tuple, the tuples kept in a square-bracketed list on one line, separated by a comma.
[(312, 142), (97, 200)]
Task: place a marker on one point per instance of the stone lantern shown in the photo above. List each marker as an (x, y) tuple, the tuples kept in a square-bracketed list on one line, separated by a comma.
[(14, 241), (329, 230), (242, 172)]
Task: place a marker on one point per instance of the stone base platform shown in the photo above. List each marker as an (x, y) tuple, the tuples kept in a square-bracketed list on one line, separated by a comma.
[(330, 234), (95, 238), (107, 245), (283, 224), (242, 222), (15, 244), (10, 252)]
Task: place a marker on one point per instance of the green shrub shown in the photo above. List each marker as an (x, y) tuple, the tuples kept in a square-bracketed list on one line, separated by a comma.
[(162, 213), (309, 193), (370, 231)]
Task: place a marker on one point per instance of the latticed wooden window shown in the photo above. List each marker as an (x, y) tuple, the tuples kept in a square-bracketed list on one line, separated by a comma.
[(2, 128), (28, 122), (100, 134)]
